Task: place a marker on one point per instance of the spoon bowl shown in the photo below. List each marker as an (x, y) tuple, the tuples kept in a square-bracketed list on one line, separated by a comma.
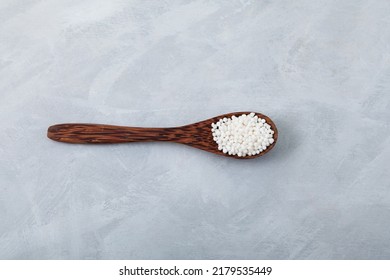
[(197, 135)]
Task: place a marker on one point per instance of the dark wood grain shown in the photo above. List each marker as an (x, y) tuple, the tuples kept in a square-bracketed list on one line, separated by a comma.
[(197, 135)]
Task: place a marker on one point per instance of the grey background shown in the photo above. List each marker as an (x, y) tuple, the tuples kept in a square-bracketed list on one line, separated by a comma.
[(319, 69)]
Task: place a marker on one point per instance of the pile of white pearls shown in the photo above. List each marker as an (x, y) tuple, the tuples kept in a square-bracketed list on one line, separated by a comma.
[(245, 135)]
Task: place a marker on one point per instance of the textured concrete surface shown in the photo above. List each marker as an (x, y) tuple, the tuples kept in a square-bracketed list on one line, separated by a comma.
[(319, 69)]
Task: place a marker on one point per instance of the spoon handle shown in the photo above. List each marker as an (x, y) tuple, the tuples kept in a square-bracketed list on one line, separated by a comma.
[(101, 133)]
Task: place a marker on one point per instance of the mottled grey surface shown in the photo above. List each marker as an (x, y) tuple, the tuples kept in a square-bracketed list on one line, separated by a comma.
[(319, 69)]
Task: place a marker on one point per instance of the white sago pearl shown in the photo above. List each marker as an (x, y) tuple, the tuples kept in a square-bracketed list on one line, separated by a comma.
[(245, 135)]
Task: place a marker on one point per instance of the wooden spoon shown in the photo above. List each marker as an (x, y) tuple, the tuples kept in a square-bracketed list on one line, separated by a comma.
[(197, 135)]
